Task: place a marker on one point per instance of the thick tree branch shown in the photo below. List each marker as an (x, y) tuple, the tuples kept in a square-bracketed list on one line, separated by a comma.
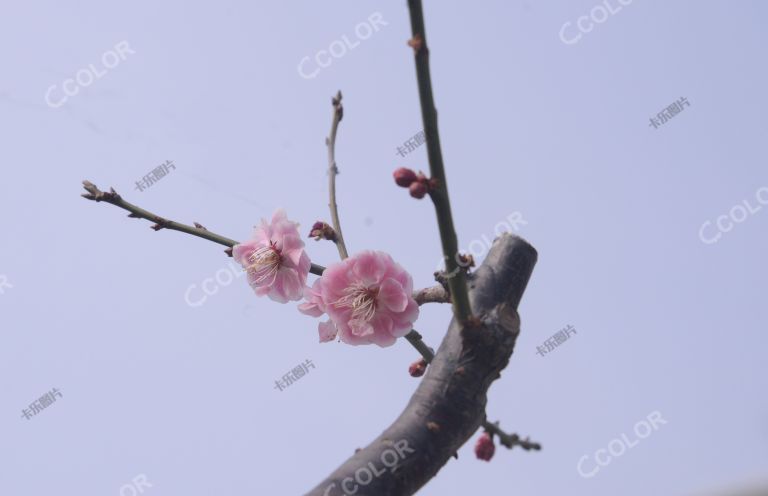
[(439, 191), (449, 403)]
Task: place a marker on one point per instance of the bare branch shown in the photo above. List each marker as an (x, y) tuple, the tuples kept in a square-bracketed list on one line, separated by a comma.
[(435, 294), (439, 187), (510, 440), (338, 114), (95, 194)]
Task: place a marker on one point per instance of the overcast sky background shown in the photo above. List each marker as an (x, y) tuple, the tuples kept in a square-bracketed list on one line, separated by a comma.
[(559, 133)]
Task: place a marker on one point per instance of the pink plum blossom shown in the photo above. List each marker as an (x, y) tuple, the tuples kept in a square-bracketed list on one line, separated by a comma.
[(315, 307), (275, 260), (368, 297)]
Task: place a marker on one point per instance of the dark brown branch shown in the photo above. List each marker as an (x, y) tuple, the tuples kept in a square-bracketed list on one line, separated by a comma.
[(439, 190), (510, 440), (449, 404)]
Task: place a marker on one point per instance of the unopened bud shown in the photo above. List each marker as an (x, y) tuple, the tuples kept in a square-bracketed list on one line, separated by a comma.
[(418, 189), (321, 230), (484, 448), (404, 177), (418, 368)]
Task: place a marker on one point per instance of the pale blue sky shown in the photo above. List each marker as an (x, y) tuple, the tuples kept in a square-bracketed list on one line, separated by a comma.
[(529, 124)]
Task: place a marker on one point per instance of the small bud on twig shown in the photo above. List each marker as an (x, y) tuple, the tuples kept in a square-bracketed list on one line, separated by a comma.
[(321, 230), (418, 184), (404, 177), (418, 368), (484, 448)]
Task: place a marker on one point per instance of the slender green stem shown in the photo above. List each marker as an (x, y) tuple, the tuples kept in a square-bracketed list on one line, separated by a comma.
[(333, 171), (439, 192)]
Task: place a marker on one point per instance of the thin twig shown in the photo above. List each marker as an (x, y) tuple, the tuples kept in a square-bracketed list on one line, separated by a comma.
[(95, 194), (414, 338), (439, 192), (510, 440), (435, 294), (338, 114)]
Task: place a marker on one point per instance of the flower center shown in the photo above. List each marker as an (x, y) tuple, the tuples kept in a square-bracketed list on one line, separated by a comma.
[(265, 262), (361, 299)]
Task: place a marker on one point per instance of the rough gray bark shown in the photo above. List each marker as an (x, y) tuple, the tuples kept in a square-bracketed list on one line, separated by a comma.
[(449, 404)]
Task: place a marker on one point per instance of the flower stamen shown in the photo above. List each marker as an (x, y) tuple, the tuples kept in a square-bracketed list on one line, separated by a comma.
[(361, 299), (265, 263)]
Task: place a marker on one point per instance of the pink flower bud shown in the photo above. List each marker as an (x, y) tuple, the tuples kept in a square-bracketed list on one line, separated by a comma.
[(418, 368), (404, 177), (321, 230), (418, 189), (484, 448)]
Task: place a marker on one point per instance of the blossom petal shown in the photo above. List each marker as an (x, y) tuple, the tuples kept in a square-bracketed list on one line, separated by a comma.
[(327, 331), (392, 295), (370, 266)]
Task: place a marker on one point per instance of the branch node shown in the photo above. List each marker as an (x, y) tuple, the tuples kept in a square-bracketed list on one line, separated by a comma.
[(417, 42)]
